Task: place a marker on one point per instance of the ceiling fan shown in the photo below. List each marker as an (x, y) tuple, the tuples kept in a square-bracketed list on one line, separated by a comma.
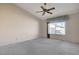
[(46, 10)]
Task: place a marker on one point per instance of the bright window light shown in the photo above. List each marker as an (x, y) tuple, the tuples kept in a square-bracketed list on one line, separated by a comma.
[(56, 28)]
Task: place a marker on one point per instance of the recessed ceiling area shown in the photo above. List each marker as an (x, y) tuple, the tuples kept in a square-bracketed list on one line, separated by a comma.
[(60, 9)]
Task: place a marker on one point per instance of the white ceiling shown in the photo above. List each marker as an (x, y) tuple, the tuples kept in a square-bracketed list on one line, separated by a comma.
[(61, 9)]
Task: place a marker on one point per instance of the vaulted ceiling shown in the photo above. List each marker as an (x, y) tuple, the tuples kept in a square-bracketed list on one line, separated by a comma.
[(61, 9)]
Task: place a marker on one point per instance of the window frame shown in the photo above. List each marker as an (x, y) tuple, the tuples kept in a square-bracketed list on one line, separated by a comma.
[(56, 27)]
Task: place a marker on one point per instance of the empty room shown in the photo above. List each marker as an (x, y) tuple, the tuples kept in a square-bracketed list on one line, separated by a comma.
[(39, 28)]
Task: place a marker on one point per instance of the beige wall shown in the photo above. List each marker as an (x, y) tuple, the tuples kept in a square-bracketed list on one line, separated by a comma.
[(72, 29), (44, 28), (16, 25)]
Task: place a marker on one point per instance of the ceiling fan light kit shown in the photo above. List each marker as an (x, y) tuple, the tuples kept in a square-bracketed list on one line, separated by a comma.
[(46, 10)]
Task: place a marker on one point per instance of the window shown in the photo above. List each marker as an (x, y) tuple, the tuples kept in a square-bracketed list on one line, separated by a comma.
[(56, 28)]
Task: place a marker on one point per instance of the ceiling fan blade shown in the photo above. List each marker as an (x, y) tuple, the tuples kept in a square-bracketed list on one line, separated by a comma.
[(51, 9), (42, 7), (38, 11), (43, 13), (49, 12)]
